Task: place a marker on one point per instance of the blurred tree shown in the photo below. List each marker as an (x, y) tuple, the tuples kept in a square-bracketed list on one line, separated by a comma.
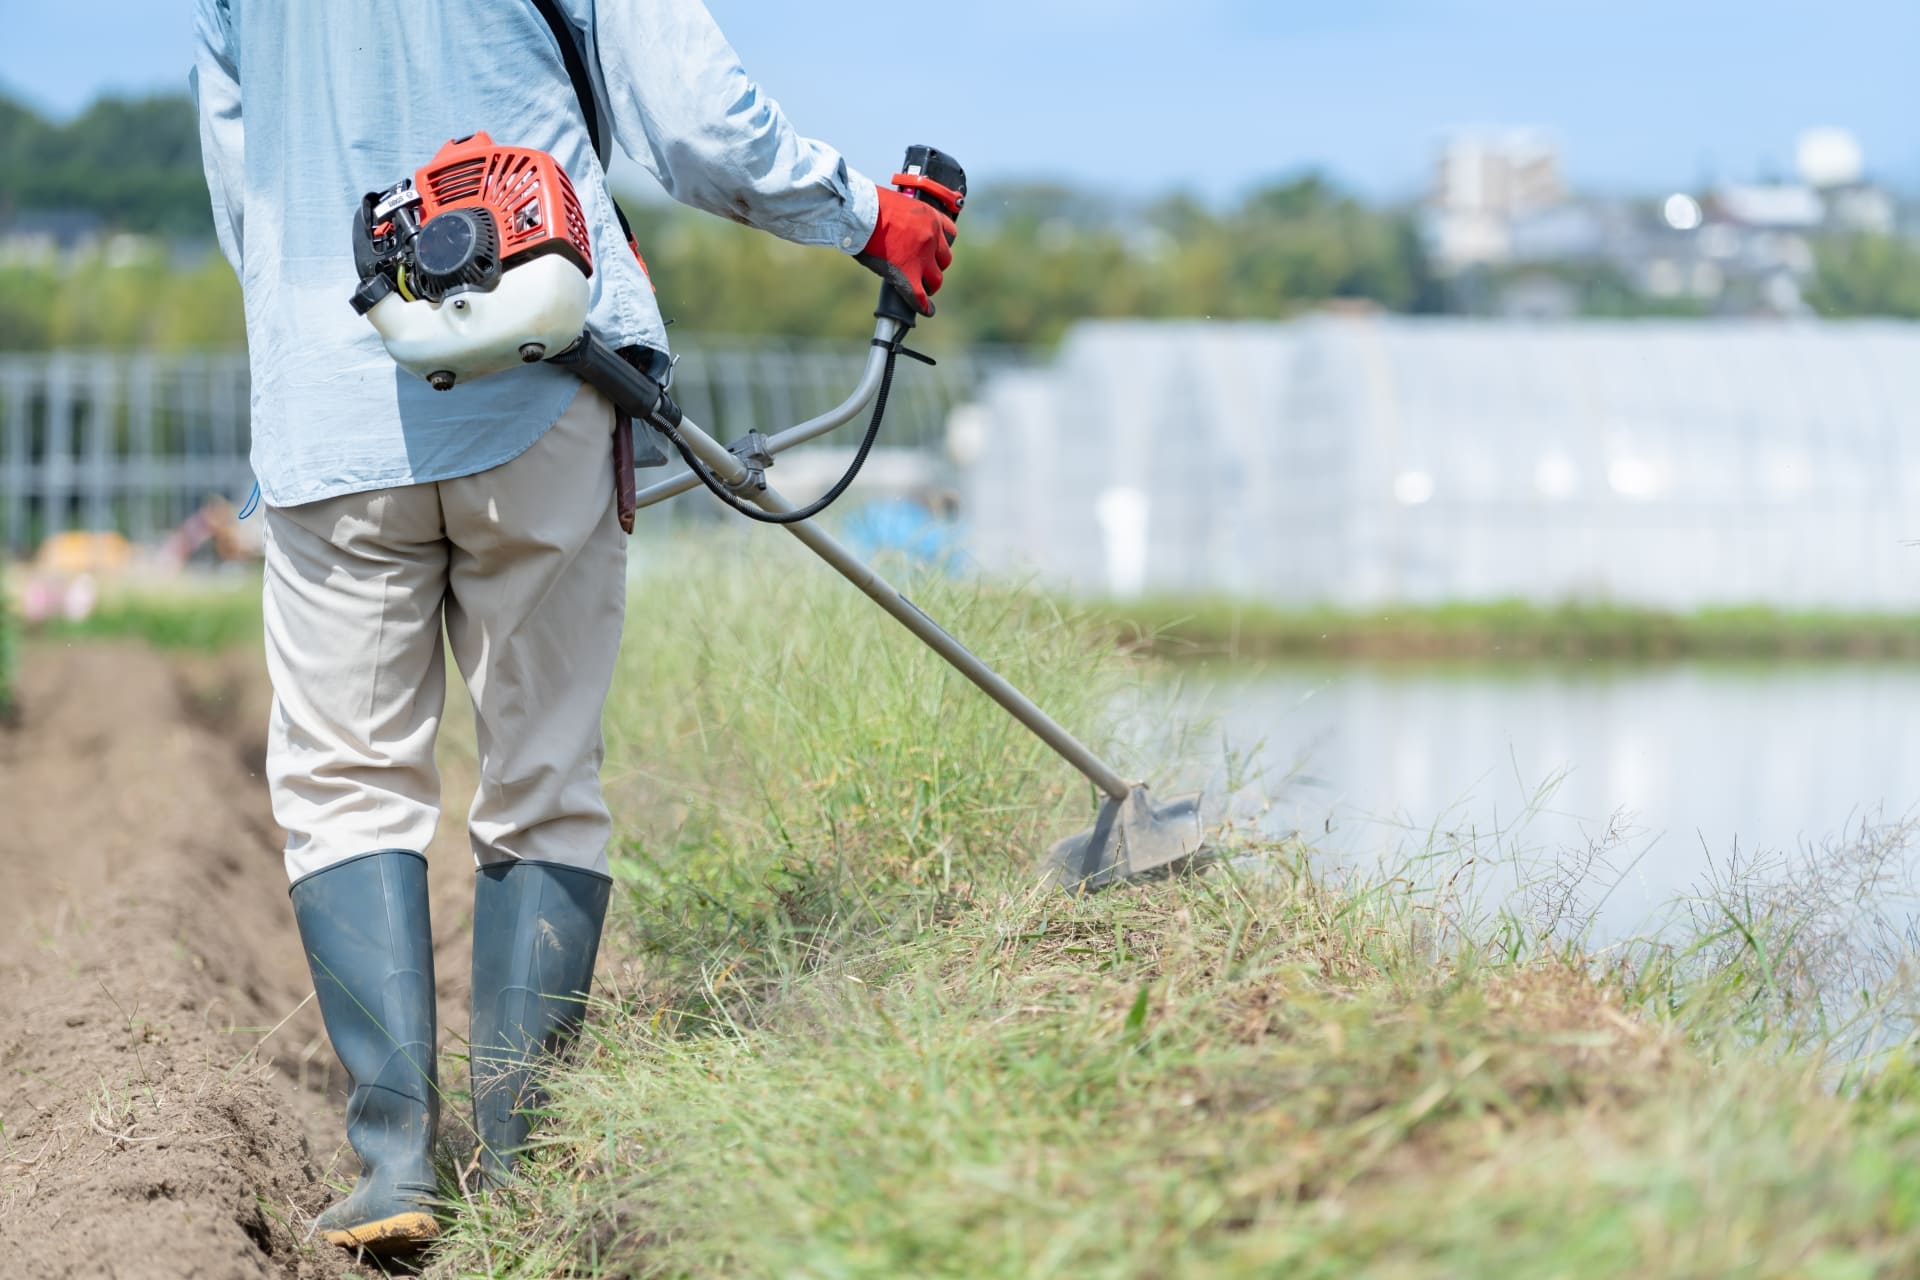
[(148, 303), (1180, 214), (1866, 275), (1034, 257), (134, 162)]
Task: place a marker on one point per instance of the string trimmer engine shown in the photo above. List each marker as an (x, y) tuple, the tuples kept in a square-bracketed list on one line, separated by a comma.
[(476, 263)]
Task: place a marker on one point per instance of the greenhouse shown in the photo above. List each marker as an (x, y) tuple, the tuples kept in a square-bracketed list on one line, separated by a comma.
[(1359, 460)]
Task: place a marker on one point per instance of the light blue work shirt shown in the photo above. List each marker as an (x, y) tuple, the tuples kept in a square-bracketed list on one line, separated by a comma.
[(306, 105)]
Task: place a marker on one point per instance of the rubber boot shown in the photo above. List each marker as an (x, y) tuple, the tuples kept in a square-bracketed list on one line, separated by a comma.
[(364, 926), (536, 930)]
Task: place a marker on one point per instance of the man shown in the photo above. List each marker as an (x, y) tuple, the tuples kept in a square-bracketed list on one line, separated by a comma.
[(394, 511)]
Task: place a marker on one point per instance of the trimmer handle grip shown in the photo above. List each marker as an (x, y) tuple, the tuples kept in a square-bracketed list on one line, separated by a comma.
[(931, 175)]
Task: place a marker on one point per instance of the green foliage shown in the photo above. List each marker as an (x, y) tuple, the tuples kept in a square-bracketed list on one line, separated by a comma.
[(714, 276), (1303, 1090), (132, 162), (1599, 289), (1032, 258), (148, 304), (1179, 627), (823, 764), (1867, 276), (200, 619)]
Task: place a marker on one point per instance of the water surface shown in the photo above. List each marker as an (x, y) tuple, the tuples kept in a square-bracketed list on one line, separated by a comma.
[(1672, 770)]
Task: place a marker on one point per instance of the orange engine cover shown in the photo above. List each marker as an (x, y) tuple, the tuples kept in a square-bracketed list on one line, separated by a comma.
[(528, 193)]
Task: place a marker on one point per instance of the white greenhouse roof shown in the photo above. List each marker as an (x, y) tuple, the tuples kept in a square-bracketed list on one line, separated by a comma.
[(1363, 458)]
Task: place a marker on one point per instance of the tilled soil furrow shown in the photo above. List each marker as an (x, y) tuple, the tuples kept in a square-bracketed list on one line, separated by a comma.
[(168, 1103)]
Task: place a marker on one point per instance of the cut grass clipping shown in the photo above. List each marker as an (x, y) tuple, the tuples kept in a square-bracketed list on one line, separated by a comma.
[(844, 1034)]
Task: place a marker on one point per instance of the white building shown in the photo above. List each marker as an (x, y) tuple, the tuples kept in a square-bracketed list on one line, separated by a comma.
[(1480, 185)]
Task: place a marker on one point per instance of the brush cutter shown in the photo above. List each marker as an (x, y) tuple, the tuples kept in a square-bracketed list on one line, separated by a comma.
[(481, 261)]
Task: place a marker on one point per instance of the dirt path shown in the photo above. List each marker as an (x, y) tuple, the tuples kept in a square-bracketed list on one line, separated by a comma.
[(168, 1103)]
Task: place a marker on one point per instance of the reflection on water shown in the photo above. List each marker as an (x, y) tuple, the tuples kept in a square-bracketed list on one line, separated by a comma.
[(1693, 761)]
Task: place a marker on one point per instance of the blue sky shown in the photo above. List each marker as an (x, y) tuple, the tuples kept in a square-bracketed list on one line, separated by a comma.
[(1215, 95)]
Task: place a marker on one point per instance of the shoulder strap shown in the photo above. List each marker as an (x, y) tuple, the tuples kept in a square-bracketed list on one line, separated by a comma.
[(589, 105), (563, 35)]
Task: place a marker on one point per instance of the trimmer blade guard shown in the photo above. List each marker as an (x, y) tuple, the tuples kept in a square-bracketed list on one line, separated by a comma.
[(1131, 839)]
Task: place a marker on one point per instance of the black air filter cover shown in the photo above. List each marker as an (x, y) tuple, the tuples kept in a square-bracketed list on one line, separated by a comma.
[(458, 247)]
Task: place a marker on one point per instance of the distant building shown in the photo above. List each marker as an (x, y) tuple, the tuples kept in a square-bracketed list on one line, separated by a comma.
[(1508, 174), (1862, 208), (1480, 185), (1499, 222), (1364, 461), (1570, 232), (1786, 206)]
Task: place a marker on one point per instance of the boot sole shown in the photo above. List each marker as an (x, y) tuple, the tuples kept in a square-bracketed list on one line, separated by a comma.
[(401, 1231)]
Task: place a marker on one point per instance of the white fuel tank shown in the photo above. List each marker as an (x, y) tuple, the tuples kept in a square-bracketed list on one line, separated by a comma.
[(470, 335)]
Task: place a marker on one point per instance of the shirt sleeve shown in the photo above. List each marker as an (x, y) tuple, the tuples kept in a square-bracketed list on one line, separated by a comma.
[(683, 106), (215, 81)]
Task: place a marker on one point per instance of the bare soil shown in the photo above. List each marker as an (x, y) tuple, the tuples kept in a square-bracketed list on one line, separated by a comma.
[(169, 1105)]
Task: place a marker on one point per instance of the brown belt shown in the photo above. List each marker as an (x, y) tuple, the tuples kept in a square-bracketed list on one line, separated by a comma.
[(624, 492), (652, 363)]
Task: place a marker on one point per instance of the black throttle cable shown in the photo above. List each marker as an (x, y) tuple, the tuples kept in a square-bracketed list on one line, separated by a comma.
[(726, 493)]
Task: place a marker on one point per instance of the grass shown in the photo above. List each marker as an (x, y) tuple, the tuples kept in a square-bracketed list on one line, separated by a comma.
[(208, 617), (1510, 629), (197, 616), (844, 1032)]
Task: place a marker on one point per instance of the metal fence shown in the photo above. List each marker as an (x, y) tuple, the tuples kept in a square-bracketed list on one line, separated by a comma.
[(127, 442), (136, 442)]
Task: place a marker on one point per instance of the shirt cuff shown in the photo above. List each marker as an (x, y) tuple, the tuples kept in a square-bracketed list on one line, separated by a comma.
[(861, 214)]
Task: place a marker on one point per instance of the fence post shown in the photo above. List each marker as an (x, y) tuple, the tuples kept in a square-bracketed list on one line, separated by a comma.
[(139, 469), (100, 410), (16, 378), (56, 458)]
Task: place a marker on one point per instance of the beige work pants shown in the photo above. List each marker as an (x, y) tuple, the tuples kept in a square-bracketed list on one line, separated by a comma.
[(524, 566)]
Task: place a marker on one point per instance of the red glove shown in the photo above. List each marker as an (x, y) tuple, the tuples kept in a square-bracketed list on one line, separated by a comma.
[(911, 245)]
